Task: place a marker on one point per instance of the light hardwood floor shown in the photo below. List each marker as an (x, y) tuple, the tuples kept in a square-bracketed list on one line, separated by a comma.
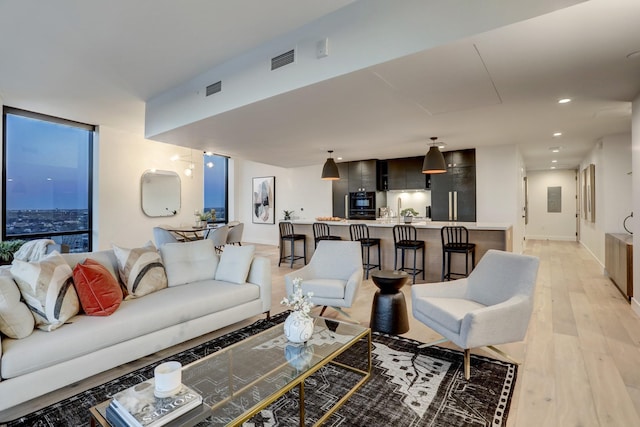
[(581, 357)]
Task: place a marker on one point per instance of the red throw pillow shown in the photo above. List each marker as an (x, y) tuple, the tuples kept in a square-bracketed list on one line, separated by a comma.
[(98, 291)]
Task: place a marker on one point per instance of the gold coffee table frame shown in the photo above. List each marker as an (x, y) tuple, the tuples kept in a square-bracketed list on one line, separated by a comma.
[(258, 366)]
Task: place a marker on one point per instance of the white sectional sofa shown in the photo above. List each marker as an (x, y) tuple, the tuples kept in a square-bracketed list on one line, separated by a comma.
[(86, 345)]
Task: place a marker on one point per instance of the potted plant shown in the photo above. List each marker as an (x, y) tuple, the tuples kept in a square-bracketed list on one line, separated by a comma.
[(7, 249), (408, 214), (287, 215)]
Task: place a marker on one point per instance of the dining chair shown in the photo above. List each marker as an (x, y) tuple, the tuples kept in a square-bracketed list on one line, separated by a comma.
[(235, 234), (162, 236), (219, 237)]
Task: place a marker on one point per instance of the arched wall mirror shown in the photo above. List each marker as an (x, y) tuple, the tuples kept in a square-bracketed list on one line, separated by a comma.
[(160, 191)]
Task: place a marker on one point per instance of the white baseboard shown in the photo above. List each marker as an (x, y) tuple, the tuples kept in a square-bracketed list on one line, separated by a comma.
[(635, 306), (562, 238)]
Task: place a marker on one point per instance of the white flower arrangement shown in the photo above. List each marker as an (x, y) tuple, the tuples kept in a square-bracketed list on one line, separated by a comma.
[(299, 302)]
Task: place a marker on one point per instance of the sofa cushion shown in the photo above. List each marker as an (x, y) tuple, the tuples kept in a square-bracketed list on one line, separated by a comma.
[(140, 269), (134, 318), (16, 321), (235, 263), (448, 312), (189, 262), (47, 289), (99, 292)]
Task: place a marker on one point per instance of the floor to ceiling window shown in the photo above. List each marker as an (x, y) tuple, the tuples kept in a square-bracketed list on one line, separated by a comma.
[(46, 179), (216, 186)]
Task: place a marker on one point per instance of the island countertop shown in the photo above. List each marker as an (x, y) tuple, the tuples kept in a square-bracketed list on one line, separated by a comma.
[(418, 223), (485, 235)]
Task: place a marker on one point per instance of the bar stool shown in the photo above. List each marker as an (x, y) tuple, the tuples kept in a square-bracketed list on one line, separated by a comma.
[(321, 231), (455, 240), (405, 239), (287, 235), (360, 232)]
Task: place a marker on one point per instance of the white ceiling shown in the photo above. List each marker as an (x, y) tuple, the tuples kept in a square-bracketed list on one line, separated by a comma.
[(97, 62)]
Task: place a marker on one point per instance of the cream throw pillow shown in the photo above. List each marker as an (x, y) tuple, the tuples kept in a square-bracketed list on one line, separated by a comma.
[(189, 262), (16, 321), (141, 270), (235, 263), (47, 289)]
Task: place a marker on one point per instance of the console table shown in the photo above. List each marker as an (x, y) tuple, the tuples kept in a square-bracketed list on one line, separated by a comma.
[(618, 261)]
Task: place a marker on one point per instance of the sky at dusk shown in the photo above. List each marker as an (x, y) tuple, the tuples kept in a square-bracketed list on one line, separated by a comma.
[(47, 165)]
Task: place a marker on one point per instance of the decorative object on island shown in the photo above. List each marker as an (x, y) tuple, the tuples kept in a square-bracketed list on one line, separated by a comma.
[(264, 202), (287, 215), (408, 214), (434, 160), (7, 249), (330, 169), (299, 325)]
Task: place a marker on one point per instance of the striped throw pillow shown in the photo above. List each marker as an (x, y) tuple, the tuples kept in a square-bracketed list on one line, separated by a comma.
[(141, 270), (47, 289)]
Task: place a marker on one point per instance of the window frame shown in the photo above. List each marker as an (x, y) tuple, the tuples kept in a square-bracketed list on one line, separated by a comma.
[(226, 185), (57, 120)]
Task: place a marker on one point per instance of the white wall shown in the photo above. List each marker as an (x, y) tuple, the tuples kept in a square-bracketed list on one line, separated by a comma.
[(613, 191), (617, 180), (635, 150), (499, 175), (297, 189), (120, 160), (552, 225)]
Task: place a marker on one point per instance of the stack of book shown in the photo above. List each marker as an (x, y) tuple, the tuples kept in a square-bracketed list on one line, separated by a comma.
[(138, 406)]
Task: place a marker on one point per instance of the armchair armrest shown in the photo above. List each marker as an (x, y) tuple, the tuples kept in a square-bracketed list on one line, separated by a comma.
[(497, 324), (352, 287)]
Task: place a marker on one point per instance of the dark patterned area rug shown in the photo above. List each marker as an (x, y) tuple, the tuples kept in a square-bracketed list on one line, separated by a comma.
[(408, 387)]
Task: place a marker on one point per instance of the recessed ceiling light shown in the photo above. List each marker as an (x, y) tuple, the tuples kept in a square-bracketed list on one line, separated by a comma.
[(338, 158), (564, 100), (553, 167), (555, 149), (556, 134), (554, 161)]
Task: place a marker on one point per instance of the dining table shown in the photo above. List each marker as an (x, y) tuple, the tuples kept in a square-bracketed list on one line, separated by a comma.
[(194, 232)]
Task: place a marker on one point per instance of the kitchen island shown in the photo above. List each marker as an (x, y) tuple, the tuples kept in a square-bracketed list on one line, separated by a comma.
[(485, 235)]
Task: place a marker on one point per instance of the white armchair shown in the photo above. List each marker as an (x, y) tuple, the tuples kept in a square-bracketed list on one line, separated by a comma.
[(492, 306), (334, 274)]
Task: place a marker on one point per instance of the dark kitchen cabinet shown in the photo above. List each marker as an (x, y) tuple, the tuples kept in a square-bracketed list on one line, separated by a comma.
[(453, 194), (406, 174), (341, 191), (362, 176)]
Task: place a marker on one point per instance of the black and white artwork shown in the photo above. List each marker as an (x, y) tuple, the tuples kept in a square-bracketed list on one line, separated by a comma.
[(263, 206)]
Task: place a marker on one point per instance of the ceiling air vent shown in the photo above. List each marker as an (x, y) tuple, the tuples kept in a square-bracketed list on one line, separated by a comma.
[(282, 60), (214, 88)]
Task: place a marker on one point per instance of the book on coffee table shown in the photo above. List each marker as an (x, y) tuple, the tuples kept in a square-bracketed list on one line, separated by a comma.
[(139, 407)]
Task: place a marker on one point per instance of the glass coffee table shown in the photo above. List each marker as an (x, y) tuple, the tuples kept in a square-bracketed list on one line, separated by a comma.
[(239, 381)]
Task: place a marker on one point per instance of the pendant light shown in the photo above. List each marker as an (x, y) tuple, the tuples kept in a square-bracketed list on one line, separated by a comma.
[(330, 169), (434, 160)]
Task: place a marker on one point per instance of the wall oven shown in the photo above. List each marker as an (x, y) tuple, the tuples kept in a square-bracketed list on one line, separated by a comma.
[(362, 205)]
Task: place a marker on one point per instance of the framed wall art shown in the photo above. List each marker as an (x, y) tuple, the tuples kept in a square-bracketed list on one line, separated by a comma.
[(589, 193), (264, 200)]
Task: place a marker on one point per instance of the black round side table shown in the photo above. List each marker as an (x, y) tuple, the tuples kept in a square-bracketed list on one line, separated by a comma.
[(389, 309)]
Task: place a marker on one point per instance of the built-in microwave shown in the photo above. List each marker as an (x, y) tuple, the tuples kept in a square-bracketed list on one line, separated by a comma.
[(362, 205)]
